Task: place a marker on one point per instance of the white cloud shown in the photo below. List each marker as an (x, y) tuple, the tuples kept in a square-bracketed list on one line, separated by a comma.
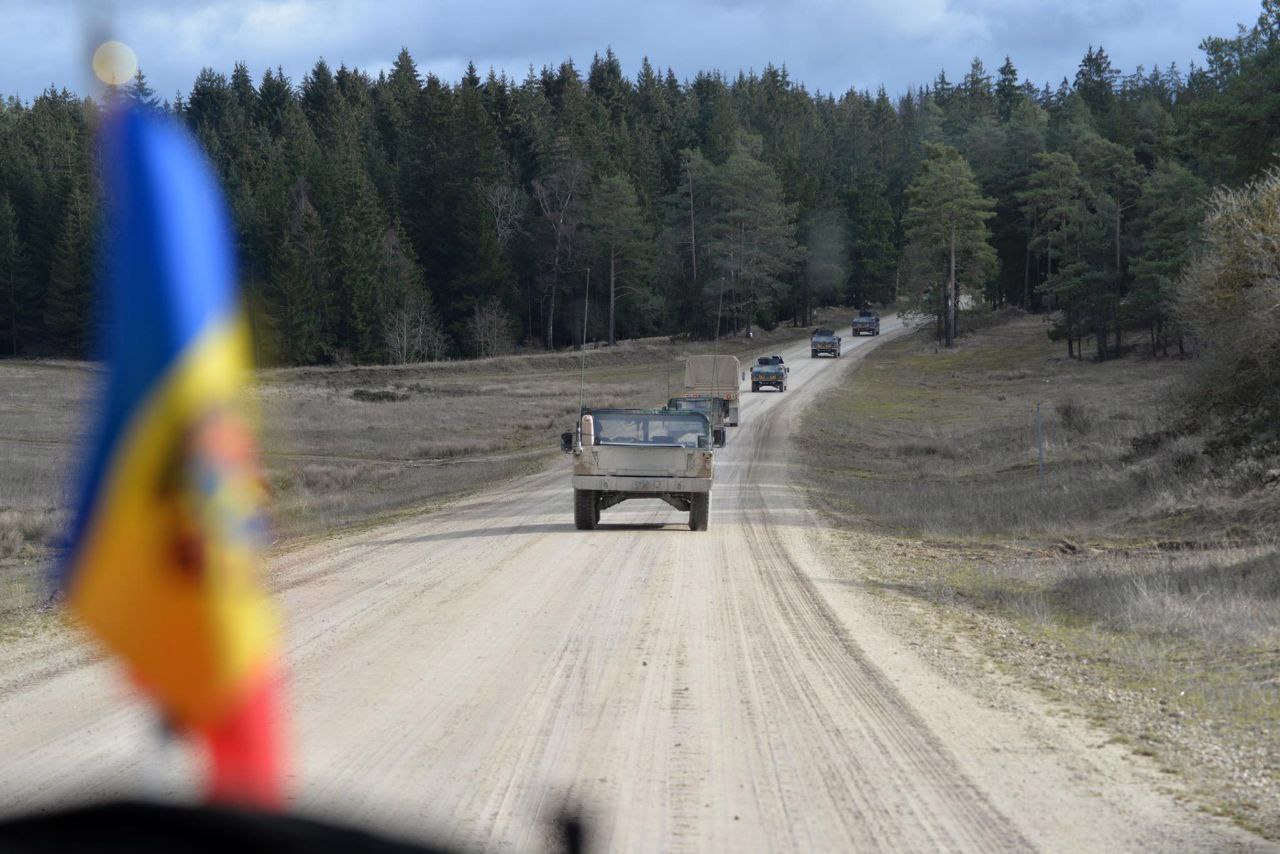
[(827, 44)]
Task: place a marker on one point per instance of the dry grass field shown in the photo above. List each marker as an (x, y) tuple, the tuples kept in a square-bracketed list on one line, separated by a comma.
[(1138, 579), (342, 446)]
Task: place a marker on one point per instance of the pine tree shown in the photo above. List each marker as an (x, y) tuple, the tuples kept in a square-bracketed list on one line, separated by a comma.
[(1014, 228), (1170, 213), (873, 256), (752, 241), (363, 289), (68, 304), (621, 240), (1072, 233), (1095, 83), (275, 100), (140, 92), (15, 280), (1008, 92), (947, 230), (299, 281)]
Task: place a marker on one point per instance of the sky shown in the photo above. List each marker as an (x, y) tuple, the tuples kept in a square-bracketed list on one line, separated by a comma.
[(828, 45)]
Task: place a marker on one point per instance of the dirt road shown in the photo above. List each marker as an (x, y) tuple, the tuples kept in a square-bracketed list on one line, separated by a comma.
[(464, 674)]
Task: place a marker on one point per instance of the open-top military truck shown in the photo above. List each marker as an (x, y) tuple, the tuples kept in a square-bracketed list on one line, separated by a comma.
[(714, 376), (769, 371), (625, 454), (715, 408), (824, 342)]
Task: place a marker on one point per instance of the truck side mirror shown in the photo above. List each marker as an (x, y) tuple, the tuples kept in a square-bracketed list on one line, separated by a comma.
[(566, 442)]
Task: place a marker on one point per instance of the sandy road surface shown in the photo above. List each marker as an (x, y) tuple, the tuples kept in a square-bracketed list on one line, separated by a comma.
[(465, 673)]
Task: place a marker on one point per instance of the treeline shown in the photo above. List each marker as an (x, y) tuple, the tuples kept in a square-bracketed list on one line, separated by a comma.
[(405, 217)]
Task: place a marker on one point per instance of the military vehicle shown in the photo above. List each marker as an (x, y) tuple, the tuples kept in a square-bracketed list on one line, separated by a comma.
[(867, 322), (769, 371), (715, 408), (716, 376), (824, 342), (625, 454)]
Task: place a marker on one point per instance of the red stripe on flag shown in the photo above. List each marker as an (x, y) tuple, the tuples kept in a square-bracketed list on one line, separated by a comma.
[(245, 751)]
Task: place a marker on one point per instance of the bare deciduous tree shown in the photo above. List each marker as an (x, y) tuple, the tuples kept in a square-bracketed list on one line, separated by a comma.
[(489, 329), (559, 197), (412, 333), (506, 206)]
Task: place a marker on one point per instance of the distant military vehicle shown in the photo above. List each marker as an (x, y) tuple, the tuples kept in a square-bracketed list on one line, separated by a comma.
[(866, 323), (625, 454), (715, 408), (824, 342), (769, 371), (717, 376)]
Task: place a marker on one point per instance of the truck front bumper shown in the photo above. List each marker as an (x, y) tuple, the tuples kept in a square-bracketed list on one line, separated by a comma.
[(652, 485)]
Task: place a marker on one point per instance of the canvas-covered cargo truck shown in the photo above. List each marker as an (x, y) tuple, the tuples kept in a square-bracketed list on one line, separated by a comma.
[(626, 454), (715, 408), (824, 342), (714, 376)]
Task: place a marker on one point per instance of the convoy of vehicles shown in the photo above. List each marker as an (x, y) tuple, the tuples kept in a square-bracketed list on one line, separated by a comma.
[(824, 342), (668, 453), (769, 371), (866, 323), (626, 454), (714, 376)]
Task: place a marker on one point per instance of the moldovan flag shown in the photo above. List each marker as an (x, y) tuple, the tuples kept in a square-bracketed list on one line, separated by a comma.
[(164, 555)]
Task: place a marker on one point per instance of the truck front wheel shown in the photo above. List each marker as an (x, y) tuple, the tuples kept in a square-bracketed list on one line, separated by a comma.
[(586, 509), (700, 511)]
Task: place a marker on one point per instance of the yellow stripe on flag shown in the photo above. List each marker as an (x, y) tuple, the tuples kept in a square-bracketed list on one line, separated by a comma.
[(169, 568)]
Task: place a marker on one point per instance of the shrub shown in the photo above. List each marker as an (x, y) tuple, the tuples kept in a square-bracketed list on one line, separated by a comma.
[(1229, 299), (1074, 416), (379, 395)]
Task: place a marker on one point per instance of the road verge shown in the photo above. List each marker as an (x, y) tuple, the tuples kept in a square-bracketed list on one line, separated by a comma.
[(1132, 585)]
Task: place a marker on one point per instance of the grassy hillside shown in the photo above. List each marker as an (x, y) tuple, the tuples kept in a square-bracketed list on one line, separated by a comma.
[(1137, 579)]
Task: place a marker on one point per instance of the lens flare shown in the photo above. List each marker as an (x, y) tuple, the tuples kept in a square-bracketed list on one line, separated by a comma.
[(114, 63)]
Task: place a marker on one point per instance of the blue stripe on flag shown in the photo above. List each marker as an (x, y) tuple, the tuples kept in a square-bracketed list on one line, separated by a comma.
[(168, 275)]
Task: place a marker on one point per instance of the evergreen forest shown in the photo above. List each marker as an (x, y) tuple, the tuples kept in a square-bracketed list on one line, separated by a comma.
[(404, 217)]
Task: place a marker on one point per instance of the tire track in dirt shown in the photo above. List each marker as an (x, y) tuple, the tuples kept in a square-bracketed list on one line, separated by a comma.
[(464, 674)]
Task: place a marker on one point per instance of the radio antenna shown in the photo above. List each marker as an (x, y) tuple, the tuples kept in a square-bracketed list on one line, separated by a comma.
[(582, 372)]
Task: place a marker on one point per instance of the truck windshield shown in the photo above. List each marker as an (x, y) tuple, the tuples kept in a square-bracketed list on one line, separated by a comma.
[(631, 428)]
